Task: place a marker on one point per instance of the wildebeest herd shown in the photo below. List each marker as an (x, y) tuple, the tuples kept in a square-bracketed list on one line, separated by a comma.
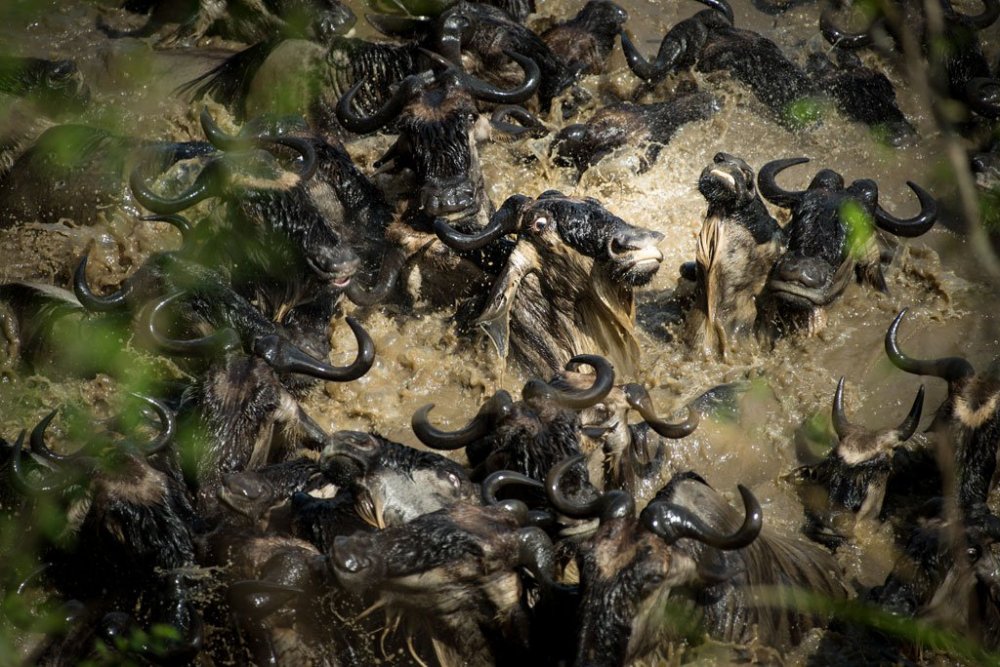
[(199, 501)]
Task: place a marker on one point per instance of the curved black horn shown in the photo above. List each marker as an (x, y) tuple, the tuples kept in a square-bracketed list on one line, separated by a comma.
[(910, 227), (906, 430), (116, 301), (227, 142), (604, 380), (529, 123), (208, 184), (303, 147), (952, 369), (489, 414), (840, 423), (182, 224), (980, 21), (537, 555), (489, 93), (392, 264), (504, 222), (840, 37), (168, 425), (501, 478), (216, 343), (670, 51), (612, 504), (638, 398), (21, 483), (364, 124), (286, 357), (673, 522), (39, 446), (768, 186), (218, 138)]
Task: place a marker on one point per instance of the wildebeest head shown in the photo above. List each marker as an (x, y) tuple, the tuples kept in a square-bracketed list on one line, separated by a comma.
[(253, 494), (625, 124), (862, 94), (392, 483), (630, 566), (270, 207), (831, 233), (584, 42), (490, 36), (567, 286), (968, 417), (454, 572), (528, 436), (132, 517), (436, 116), (856, 471), (737, 246)]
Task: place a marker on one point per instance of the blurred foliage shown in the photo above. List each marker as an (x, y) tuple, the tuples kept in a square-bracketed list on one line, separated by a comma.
[(860, 228), (805, 112)]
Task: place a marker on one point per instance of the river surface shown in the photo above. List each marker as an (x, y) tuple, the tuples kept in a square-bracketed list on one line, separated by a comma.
[(419, 357)]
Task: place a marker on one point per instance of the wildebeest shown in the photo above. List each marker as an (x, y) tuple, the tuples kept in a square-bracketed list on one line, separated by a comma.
[(688, 548), (583, 145), (710, 42), (276, 245), (390, 482), (968, 420), (854, 475), (738, 244), (240, 20), (128, 513), (77, 171), (949, 41), (54, 85), (567, 286), (831, 233), (454, 575)]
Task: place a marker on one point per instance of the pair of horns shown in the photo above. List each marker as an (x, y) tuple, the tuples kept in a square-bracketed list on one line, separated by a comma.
[(908, 227), (904, 431), (412, 85), (668, 520), (212, 180), (501, 405), (282, 355)]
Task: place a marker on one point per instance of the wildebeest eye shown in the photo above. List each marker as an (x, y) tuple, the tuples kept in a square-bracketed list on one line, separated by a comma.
[(61, 73), (974, 553), (540, 224)]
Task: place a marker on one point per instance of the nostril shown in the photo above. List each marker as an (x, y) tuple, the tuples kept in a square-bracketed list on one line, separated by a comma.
[(809, 274), (348, 557)]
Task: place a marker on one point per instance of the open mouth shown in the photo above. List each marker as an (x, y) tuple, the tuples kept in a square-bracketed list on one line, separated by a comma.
[(724, 177), (338, 277), (643, 261), (799, 295)]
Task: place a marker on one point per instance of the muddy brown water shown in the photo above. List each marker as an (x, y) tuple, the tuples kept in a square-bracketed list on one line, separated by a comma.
[(421, 360)]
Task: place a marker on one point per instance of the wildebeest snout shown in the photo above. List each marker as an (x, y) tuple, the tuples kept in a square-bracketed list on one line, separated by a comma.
[(448, 198)]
